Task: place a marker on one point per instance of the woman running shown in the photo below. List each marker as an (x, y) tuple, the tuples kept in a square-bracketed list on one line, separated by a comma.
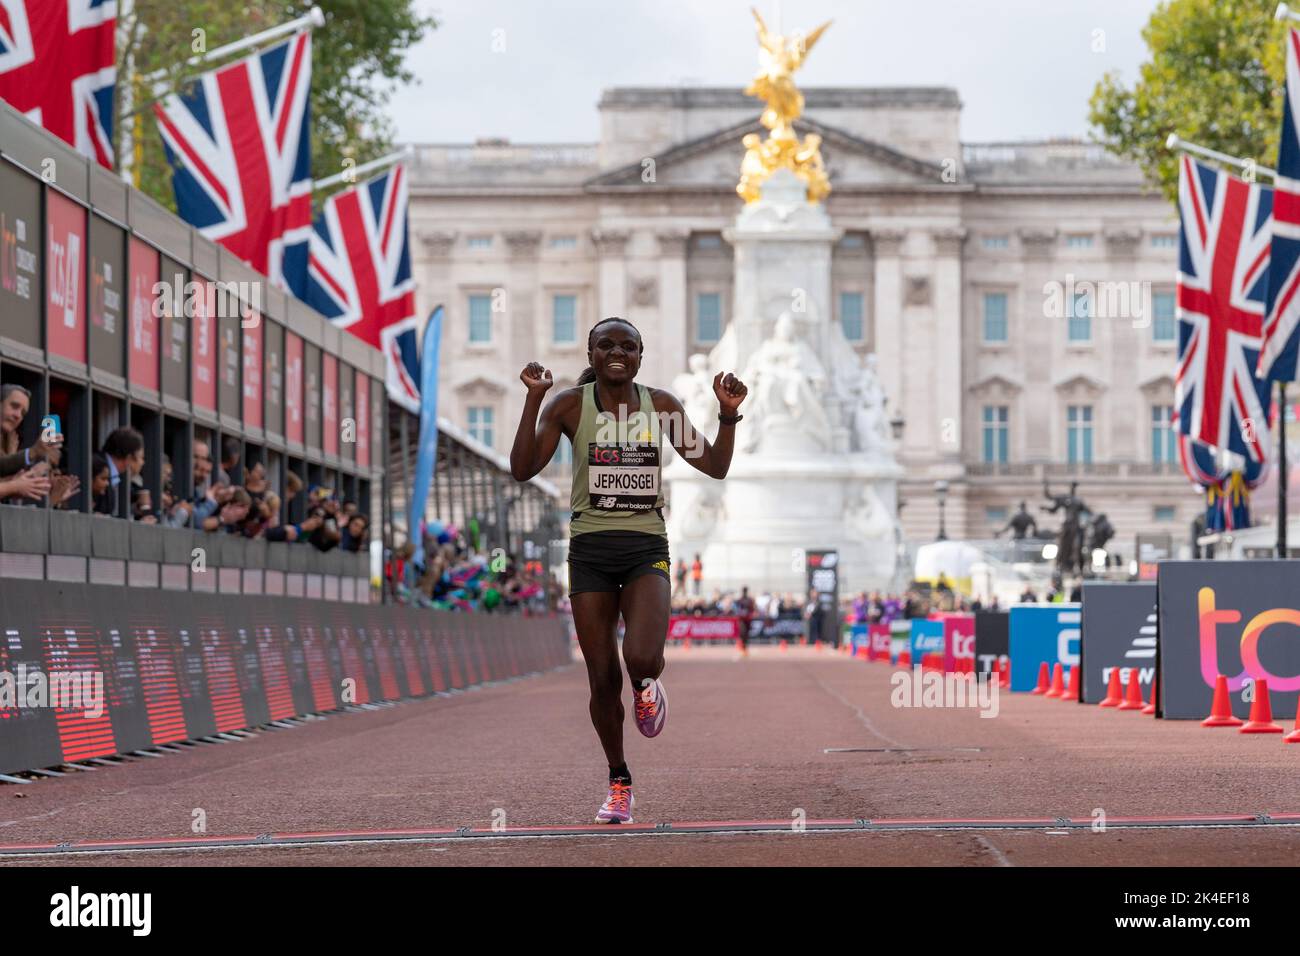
[(618, 548)]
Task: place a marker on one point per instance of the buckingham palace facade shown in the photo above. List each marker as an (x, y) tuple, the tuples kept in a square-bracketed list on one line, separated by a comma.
[(1020, 296)]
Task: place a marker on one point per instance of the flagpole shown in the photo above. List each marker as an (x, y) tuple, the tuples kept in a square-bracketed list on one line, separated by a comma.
[(1282, 471), (314, 18), (351, 176), (1176, 142)]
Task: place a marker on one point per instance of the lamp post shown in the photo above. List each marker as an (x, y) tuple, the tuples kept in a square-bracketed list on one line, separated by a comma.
[(896, 425), (941, 492)]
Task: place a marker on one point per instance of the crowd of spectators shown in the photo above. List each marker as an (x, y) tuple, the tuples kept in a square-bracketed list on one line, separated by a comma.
[(454, 574), (247, 507)]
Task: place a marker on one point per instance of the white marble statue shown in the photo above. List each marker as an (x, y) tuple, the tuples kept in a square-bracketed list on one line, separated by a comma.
[(695, 389), (866, 515), (787, 381), (871, 433)]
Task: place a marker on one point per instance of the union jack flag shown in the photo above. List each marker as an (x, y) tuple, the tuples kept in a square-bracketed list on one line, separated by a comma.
[(58, 66), (1222, 282), (1279, 359), (359, 271), (239, 144)]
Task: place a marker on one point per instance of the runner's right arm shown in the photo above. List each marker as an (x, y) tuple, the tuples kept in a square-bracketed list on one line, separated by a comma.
[(536, 440)]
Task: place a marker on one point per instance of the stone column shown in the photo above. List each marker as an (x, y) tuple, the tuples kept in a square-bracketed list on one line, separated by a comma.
[(434, 285), (673, 327), (948, 339), (525, 318), (1041, 339), (611, 245), (887, 309)]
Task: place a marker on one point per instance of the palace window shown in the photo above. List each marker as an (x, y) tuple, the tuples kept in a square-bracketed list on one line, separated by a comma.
[(995, 434), (708, 317), (851, 315), (996, 242), (479, 242), (1078, 241), (1164, 324), (1164, 446), (1078, 421), (480, 318), (480, 423), (1079, 318), (564, 319), (995, 316)]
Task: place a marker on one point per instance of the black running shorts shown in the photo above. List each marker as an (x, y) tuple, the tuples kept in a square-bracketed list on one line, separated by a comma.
[(607, 560)]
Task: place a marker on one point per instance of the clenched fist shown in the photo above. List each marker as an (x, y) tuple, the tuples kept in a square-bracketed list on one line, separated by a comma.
[(536, 378), (730, 392)]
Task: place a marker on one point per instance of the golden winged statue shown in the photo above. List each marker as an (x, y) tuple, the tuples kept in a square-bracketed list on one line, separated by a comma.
[(779, 56)]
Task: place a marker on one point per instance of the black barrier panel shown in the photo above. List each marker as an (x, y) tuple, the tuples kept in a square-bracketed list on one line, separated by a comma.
[(347, 414), (273, 377), (175, 332), (229, 361), (107, 286), (992, 639), (21, 242), (1119, 630), (1240, 619), (153, 667), (28, 734), (311, 384)]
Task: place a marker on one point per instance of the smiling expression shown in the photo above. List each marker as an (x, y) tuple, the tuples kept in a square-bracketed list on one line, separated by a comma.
[(615, 352)]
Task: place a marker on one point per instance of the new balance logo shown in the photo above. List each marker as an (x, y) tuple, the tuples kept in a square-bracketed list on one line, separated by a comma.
[(1144, 645), (606, 501)]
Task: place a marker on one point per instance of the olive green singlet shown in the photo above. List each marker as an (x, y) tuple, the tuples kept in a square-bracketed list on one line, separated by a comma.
[(617, 469)]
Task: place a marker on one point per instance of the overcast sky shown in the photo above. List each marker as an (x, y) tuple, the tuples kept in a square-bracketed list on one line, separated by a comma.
[(533, 70)]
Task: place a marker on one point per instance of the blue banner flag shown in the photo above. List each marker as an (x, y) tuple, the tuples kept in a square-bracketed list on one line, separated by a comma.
[(427, 459)]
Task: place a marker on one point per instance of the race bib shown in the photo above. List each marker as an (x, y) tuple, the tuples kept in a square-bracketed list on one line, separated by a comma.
[(623, 476)]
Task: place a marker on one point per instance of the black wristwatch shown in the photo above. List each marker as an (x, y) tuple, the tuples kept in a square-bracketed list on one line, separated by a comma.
[(729, 421)]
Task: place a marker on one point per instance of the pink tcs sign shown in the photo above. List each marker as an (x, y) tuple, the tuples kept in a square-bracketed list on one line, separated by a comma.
[(362, 402), (142, 324), (65, 311), (253, 370), (329, 400), (203, 343), (293, 425)]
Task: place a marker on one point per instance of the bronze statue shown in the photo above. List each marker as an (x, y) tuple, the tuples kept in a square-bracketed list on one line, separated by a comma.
[(1022, 525), (1069, 539)]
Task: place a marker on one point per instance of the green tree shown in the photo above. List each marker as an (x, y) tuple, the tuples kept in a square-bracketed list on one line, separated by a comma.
[(1215, 78), (357, 60)]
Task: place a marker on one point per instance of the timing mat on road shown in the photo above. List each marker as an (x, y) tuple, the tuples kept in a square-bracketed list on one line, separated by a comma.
[(326, 837)]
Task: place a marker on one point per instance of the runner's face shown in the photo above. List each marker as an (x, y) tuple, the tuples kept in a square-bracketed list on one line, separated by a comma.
[(616, 353)]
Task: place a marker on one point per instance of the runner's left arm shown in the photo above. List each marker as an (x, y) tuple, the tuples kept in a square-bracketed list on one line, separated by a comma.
[(712, 458)]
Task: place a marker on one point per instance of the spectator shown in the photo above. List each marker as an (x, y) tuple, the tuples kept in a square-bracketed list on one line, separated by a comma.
[(124, 452), (697, 574), (99, 482), (230, 517), (232, 449), (680, 575), (14, 403), (354, 533)]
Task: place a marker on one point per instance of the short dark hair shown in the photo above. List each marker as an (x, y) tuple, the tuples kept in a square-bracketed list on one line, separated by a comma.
[(231, 448), (98, 463), (123, 443)]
